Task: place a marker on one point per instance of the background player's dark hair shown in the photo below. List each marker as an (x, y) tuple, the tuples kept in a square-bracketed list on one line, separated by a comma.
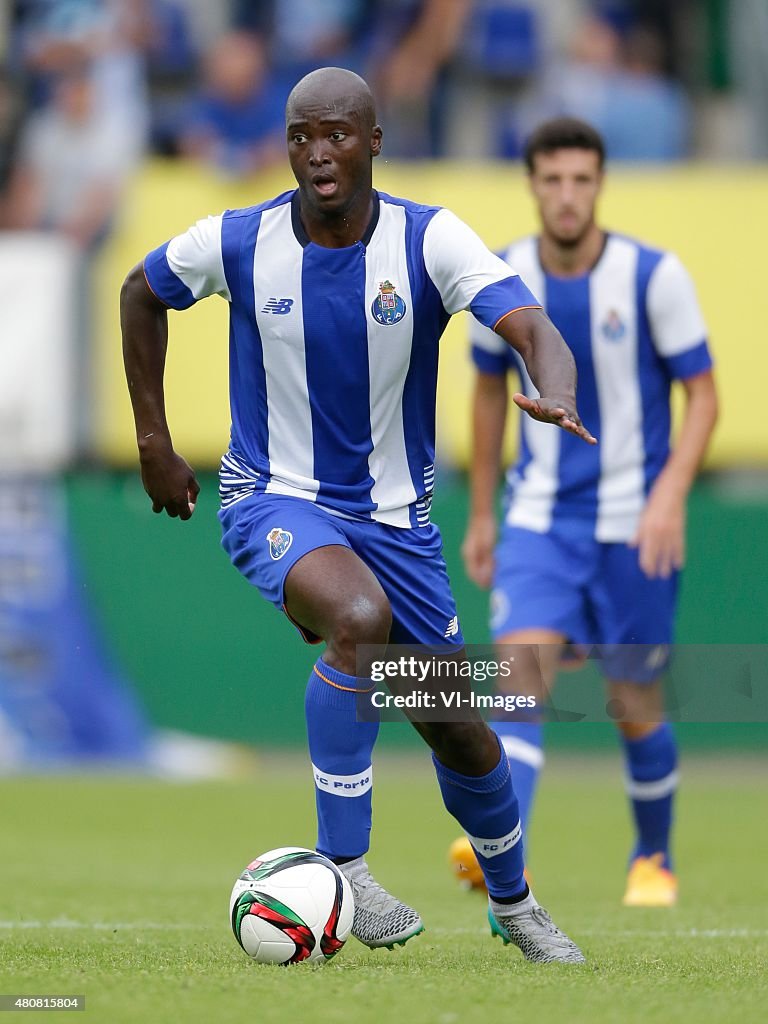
[(563, 133)]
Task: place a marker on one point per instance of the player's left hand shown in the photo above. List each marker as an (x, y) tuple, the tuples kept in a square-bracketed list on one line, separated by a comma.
[(660, 536), (548, 411)]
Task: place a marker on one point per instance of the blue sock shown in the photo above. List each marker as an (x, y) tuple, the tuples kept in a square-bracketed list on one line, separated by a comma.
[(522, 742), (486, 808), (340, 749), (651, 784)]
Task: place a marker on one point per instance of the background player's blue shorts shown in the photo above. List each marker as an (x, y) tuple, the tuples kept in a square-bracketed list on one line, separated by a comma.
[(266, 534), (593, 593)]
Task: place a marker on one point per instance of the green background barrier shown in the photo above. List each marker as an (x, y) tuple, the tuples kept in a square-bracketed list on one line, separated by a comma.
[(207, 654), (715, 219)]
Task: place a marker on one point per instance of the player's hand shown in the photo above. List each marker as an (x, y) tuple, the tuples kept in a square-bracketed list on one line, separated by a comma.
[(549, 411), (170, 482), (477, 550), (660, 537)]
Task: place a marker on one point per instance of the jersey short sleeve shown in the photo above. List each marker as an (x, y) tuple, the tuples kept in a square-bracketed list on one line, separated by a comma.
[(677, 325), (189, 267), (469, 276)]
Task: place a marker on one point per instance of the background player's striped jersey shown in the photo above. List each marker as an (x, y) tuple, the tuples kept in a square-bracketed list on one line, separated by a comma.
[(333, 352), (633, 325)]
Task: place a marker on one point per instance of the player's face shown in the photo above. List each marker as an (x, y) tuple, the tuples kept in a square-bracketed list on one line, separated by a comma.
[(330, 152), (565, 185)]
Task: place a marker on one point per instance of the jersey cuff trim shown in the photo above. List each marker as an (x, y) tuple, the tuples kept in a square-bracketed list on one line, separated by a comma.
[(144, 272), (515, 310), (169, 288), (492, 303), (689, 363)]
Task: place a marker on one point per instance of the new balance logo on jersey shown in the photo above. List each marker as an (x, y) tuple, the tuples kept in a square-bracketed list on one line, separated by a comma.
[(278, 306), (453, 627)]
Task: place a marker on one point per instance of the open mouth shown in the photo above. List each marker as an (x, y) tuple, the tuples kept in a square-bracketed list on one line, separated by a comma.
[(324, 184)]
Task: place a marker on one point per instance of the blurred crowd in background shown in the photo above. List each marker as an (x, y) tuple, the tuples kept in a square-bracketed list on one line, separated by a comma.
[(89, 88)]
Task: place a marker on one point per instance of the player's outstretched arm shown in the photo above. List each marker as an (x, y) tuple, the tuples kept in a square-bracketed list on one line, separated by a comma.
[(168, 479), (551, 368)]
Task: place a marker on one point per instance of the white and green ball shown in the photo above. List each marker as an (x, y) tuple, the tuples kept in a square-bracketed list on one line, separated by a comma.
[(291, 905)]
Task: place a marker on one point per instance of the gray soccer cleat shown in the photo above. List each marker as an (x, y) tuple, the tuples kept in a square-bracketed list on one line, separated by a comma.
[(529, 926), (380, 919)]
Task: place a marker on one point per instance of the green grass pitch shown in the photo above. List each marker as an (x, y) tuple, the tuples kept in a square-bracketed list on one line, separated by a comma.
[(118, 889)]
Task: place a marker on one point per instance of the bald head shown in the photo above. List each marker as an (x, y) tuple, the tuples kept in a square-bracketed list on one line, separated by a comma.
[(332, 138), (334, 91)]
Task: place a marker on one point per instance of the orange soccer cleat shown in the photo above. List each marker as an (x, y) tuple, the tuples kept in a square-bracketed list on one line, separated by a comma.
[(650, 884)]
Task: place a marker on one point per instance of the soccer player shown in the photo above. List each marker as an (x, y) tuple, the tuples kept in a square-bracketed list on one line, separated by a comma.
[(593, 538), (338, 295)]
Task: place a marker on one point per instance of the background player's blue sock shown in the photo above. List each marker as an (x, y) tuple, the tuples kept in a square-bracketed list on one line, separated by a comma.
[(651, 784), (340, 749), (522, 742), (486, 808)]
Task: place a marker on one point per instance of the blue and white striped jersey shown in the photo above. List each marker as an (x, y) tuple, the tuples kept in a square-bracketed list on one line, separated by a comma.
[(633, 325), (333, 352)]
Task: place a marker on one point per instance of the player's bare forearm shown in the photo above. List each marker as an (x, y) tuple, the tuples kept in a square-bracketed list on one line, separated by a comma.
[(168, 479), (660, 535), (489, 417), (550, 366), (547, 358), (699, 419), (144, 325), (489, 414)]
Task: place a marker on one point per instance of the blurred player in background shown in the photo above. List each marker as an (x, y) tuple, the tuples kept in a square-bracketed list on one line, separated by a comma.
[(593, 538), (338, 296)]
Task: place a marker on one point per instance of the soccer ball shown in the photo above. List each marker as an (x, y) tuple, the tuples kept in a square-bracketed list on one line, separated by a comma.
[(290, 905)]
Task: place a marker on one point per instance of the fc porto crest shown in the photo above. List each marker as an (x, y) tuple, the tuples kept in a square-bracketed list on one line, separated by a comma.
[(279, 541), (613, 327), (388, 308)]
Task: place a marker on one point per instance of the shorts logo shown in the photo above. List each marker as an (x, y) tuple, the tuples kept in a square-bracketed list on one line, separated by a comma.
[(388, 308), (279, 542), (278, 306), (613, 327), (452, 628)]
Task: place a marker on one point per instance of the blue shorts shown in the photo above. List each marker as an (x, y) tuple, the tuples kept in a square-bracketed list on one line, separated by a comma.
[(594, 593), (266, 534)]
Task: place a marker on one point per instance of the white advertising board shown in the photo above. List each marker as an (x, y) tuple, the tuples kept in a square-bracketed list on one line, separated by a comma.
[(38, 307)]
